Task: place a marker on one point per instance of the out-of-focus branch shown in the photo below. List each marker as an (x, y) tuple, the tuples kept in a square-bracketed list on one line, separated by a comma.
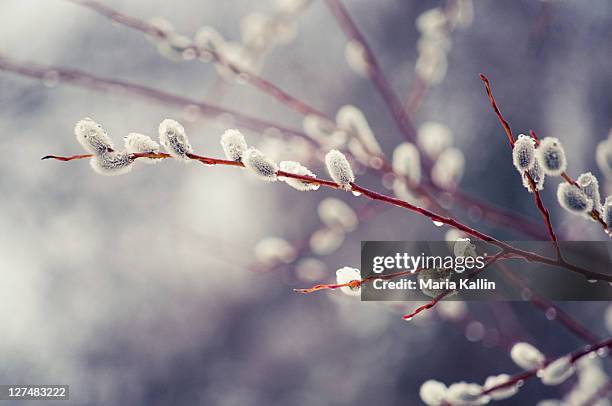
[(350, 29), (83, 79), (594, 213), (252, 78)]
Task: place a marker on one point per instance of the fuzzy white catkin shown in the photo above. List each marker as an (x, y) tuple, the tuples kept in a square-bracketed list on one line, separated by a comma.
[(431, 65), (501, 393), (260, 165), (433, 138), (352, 120), (233, 144), (523, 153), (433, 392), (334, 213), (347, 275), (462, 15), (592, 377), (273, 250), (557, 371), (358, 151), (136, 143), (551, 155), (174, 139), (112, 163), (208, 39), (572, 199), (603, 156), (465, 394), (356, 58), (171, 45), (453, 235), (339, 169), (607, 211), (326, 240), (527, 356), (311, 269), (537, 174), (297, 169), (452, 310), (448, 169), (406, 162), (324, 132), (590, 187), (431, 20), (92, 136)]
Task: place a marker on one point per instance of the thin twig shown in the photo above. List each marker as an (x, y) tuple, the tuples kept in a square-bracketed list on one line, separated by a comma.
[(544, 304), (448, 292), (508, 250), (594, 213)]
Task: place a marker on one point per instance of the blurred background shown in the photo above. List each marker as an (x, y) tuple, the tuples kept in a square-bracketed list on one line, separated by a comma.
[(145, 288)]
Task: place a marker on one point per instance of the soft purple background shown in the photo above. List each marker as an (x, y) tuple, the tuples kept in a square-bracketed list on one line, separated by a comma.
[(137, 289)]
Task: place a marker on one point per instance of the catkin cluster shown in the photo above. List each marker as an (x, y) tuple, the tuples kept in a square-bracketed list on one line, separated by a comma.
[(591, 378), (535, 161)]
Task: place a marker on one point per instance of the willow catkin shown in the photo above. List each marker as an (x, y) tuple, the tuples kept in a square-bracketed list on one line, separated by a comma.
[(339, 169), (112, 163), (260, 165), (551, 156), (590, 187), (233, 144), (92, 137), (572, 199), (523, 153), (173, 138), (557, 371), (298, 169), (136, 143), (527, 356)]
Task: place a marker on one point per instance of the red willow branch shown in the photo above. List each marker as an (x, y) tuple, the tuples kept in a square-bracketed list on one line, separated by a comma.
[(257, 81), (377, 75), (594, 213), (355, 283), (508, 250), (574, 356), (536, 194), (446, 293), (89, 81)]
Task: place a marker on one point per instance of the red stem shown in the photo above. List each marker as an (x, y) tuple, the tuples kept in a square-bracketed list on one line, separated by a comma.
[(507, 249)]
